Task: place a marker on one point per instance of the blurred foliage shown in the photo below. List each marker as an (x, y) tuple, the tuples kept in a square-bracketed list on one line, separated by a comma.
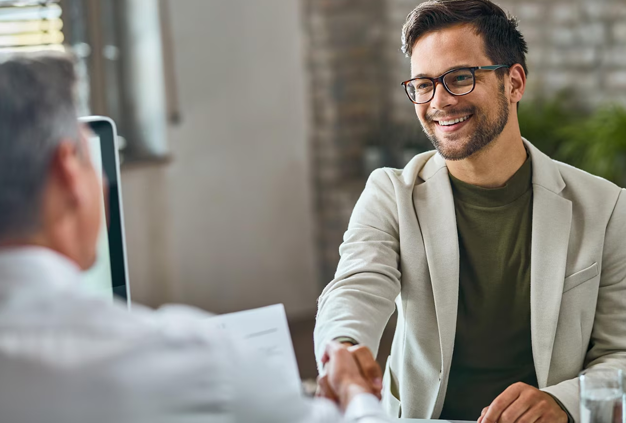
[(594, 141)]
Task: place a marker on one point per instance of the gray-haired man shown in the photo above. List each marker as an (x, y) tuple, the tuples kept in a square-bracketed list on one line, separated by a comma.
[(68, 357)]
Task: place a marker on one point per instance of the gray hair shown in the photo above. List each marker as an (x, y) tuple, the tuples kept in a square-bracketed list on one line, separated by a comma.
[(37, 112)]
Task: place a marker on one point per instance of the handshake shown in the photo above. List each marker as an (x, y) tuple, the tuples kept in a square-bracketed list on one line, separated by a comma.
[(349, 371)]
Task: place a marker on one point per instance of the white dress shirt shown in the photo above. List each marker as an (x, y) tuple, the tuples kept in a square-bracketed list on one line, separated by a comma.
[(67, 356)]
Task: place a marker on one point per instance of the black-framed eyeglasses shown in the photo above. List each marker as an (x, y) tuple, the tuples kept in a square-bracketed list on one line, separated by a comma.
[(460, 81)]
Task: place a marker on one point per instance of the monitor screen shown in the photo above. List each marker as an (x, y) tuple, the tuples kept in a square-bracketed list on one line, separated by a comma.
[(98, 279), (108, 276)]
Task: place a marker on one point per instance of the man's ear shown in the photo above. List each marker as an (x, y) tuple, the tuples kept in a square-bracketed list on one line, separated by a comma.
[(65, 170), (517, 82)]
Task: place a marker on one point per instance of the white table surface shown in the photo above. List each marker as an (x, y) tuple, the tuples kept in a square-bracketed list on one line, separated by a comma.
[(427, 421)]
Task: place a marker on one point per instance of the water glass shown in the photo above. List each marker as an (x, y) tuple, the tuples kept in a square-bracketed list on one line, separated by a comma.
[(601, 395)]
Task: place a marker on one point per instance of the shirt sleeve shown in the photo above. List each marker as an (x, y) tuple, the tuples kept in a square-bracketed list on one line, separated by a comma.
[(263, 398), (570, 419), (244, 386), (365, 408), (343, 339)]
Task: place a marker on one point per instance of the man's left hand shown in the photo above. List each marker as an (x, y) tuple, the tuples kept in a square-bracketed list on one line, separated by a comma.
[(521, 403)]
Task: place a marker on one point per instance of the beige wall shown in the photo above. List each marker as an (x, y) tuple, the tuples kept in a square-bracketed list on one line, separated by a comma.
[(228, 224)]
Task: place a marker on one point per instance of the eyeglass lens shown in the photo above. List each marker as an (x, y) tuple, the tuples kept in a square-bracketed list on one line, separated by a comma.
[(458, 82)]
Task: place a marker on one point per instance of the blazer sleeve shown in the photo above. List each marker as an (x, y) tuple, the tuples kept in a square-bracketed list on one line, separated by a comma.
[(359, 301), (607, 347)]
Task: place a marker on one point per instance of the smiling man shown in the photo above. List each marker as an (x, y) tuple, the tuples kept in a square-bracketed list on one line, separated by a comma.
[(508, 269)]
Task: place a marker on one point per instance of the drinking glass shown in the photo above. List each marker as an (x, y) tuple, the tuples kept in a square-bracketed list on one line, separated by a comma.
[(601, 395)]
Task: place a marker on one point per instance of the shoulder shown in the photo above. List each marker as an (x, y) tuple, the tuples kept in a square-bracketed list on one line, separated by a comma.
[(587, 192), (584, 187), (155, 362), (582, 178), (387, 189), (409, 176), (98, 327)]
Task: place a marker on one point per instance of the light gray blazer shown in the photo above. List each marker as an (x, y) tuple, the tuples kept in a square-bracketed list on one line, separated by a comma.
[(402, 246)]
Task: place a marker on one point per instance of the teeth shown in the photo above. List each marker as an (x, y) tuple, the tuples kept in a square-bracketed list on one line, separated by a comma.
[(452, 122)]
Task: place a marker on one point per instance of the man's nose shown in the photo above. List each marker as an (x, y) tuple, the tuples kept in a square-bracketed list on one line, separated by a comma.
[(442, 98)]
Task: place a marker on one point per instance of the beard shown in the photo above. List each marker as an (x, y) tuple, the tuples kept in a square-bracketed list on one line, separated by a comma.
[(486, 131)]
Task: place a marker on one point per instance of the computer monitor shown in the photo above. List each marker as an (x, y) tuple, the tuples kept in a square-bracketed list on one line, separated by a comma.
[(109, 274)]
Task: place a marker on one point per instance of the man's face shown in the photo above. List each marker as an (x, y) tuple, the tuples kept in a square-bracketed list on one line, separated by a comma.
[(486, 108)]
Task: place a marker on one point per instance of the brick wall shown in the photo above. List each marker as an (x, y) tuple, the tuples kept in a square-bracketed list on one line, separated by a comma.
[(345, 41), (356, 66), (578, 44)]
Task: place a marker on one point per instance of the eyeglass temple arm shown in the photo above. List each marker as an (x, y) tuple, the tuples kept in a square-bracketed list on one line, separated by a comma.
[(492, 67)]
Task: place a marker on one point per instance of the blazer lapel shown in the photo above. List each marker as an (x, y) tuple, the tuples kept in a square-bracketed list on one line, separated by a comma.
[(552, 216), (434, 206), (551, 222)]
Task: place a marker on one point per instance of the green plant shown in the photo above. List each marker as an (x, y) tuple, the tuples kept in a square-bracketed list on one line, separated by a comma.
[(592, 141), (598, 144), (541, 120)]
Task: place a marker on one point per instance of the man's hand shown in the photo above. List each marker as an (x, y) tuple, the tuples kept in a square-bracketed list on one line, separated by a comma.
[(521, 403), (349, 371), (369, 367)]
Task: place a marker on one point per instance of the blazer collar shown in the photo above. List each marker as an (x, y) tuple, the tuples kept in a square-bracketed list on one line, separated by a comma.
[(545, 171), (432, 166)]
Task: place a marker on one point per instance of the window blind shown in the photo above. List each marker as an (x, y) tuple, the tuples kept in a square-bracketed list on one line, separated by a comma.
[(30, 25)]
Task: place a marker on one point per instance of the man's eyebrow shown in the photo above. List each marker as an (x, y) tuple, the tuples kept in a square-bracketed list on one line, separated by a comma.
[(422, 75)]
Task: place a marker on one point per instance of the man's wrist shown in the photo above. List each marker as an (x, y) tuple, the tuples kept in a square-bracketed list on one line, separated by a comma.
[(349, 390), (363, 406), (570, 419), (345, 340)]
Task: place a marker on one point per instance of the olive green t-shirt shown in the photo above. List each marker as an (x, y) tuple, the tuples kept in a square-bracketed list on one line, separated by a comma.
[(492, 347)]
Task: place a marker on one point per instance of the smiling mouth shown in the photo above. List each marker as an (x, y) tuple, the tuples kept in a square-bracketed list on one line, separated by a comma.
[(452, 122)]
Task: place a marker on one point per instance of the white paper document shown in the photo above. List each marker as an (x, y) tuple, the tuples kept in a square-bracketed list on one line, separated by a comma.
[(265, 330)]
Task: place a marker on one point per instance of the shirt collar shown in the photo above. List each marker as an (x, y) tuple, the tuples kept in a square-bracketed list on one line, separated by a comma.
[(36, 265), (545, 173), (519, 184)]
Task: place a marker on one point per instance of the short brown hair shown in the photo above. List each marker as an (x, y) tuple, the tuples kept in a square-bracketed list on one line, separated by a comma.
[(504, 44)]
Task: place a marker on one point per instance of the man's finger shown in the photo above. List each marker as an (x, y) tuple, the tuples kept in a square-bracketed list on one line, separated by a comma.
[(368, 364), (532, 415), (482, 414), (513, 412), (502, 402), (331, 348), (326, 356), (324, 390)]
